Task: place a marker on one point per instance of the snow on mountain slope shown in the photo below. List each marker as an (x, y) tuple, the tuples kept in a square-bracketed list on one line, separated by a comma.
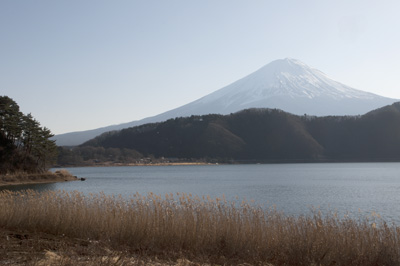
[(286, 84), (283, 82), (287, 77)]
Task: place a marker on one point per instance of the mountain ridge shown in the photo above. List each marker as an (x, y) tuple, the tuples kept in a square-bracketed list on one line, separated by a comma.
[(286, 84)]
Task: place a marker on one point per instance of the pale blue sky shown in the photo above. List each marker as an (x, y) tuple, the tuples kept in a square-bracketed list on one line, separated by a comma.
[(80, 64)]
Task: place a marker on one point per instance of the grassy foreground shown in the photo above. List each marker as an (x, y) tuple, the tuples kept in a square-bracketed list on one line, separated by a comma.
[(185, 230)]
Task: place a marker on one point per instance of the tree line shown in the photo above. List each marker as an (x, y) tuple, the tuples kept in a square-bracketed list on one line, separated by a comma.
[(24, 144), (88, 156), (266, 135)]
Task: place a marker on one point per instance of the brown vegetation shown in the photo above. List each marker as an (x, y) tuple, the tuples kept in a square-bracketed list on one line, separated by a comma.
[(28, 178), (19, 247), (203, 230)]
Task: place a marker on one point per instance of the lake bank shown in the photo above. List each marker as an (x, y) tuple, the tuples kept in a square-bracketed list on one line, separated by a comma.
[(36, 178)]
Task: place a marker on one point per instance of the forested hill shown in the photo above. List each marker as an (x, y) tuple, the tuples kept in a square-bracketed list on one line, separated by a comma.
[(266, 134)]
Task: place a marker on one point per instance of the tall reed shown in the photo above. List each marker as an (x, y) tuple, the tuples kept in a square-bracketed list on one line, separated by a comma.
[(204, 228)]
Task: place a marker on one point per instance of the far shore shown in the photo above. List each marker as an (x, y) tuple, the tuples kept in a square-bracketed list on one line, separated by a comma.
[(225, 162), (110, 164)]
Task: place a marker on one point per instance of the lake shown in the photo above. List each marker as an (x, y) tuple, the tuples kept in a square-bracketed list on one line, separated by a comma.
[(293, 188)]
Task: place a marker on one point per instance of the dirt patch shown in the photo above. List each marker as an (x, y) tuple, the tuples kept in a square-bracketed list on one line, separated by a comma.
[(37, 248)]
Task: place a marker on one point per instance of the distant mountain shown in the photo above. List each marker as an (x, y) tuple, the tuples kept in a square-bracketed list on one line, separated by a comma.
[(266, 134), (286, 84)]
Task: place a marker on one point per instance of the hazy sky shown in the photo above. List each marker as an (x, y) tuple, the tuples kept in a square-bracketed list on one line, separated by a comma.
[(81, 64)]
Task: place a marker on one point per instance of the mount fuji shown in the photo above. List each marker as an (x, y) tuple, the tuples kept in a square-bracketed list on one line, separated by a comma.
[(285, 84)]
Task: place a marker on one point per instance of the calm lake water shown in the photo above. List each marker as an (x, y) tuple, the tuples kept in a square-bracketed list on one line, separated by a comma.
[(292, 188)]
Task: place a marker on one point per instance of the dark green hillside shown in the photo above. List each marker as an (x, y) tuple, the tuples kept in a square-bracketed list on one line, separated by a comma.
[(265, 134), (382, 132), (250, 134), (192, 137), (273, 134), (373, 136)]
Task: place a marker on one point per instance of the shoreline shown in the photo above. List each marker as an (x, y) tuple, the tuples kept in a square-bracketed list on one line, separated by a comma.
[(31, 179), (2, 184), (239, 162), (134, 164)]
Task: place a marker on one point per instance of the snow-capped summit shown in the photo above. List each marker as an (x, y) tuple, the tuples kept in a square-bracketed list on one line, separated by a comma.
[(286, 84), (292, 86)]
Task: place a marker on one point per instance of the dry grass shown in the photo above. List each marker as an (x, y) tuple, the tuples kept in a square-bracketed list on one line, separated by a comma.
[(26, 248), (26, 178), (203, 229)]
